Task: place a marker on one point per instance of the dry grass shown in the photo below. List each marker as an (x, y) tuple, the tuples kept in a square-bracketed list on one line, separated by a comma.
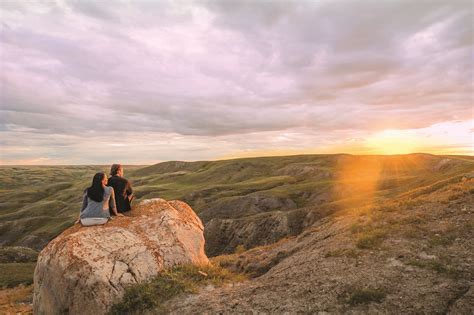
[(371, 239), (14, 274), (169, 283), (365, 296), (342, 252)]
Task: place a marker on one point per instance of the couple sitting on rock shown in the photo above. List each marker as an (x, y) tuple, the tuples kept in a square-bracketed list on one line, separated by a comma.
[(106, 197)]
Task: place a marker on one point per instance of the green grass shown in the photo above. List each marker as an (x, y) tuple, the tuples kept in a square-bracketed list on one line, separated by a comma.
[(366, 296), (444, 239), (437, 266), (170, 283), (371, 239), (17, 255), (13, 274), (358, 227), (342, 252)]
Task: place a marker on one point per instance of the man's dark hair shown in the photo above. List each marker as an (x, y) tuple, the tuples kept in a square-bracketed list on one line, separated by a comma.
[(115, 169)]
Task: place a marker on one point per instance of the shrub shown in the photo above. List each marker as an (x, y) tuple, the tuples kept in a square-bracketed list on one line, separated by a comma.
[(357, 228), (449, 235), (371, 239), (365, 296), (240, 249), (437, 266), (342, 252), (169, 283), (442, 240)]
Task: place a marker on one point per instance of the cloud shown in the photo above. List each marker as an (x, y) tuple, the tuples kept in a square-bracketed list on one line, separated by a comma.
[(228, 69)]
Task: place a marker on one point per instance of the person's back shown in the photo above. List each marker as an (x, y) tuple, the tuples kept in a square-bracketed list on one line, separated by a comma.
[(94, 209), (122, 188), (98, 202)]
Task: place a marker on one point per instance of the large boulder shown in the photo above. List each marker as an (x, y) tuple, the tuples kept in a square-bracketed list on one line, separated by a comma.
[(86, 269)]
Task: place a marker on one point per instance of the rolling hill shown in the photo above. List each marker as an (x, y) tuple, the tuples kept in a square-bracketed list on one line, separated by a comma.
[(37, 203), (243, 202)]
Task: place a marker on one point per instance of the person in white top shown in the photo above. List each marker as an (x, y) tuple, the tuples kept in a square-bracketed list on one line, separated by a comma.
[(98, 202)]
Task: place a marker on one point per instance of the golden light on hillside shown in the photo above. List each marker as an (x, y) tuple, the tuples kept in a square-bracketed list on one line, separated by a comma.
[(360, 178), (394, 142), (357, 180)]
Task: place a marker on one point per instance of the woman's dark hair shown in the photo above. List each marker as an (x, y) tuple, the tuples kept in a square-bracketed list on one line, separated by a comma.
[(96, 191)]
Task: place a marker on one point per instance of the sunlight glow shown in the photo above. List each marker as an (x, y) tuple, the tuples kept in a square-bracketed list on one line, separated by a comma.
[(394, 142)]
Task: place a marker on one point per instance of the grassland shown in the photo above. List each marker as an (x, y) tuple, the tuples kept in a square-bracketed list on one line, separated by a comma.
[(37, 203)]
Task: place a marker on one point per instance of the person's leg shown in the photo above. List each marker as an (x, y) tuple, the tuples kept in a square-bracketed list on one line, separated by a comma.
[(93, 221)]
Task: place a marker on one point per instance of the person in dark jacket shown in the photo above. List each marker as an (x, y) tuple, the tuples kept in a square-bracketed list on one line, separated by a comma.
[(122, 188)]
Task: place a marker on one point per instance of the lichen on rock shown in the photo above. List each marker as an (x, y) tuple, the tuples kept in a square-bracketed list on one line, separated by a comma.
[(89, 268)]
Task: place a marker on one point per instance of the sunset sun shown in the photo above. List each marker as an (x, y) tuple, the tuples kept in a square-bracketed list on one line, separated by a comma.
[(393, 142)]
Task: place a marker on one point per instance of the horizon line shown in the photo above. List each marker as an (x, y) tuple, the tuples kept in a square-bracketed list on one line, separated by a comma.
[(237, 158)]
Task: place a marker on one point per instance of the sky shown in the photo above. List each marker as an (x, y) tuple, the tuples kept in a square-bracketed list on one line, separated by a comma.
[(140, 82)]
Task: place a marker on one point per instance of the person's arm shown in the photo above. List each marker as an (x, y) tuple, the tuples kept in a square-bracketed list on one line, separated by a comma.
[(129, 188), (112, 205), (84, 202), (129, 193), (84, 205)]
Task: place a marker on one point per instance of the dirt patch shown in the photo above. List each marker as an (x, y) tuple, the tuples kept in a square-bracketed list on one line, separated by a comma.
[(16, 300)]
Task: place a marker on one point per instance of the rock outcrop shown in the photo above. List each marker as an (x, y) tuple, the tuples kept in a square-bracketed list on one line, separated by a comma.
[(234, 208), (224, 235), (88, 268)]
